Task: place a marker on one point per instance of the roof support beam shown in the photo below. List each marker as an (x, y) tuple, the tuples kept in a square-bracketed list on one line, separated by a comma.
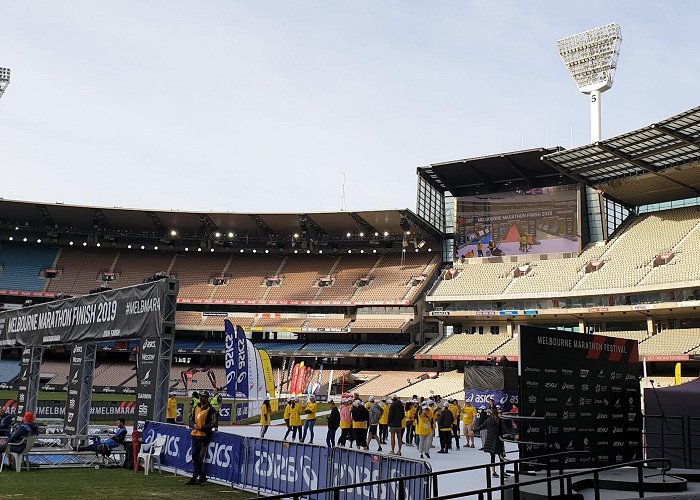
[(626, 158), (567, 173), (262, 225), (685, 138), (528, 178), (369, 228), (47, 217)]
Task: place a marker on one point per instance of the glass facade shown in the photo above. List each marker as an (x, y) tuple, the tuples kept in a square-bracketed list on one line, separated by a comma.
[(431, 204), (656, 207), (615, 215)]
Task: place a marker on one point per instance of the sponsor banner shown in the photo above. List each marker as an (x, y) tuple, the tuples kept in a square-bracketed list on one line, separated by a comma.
[(224, 451), (668, 357), (225, 412), (99, 410), (75, 385), (506, 399), (147, 369), (587, 388), (24, 378), (269, 375), (324, 329), (123, 313)]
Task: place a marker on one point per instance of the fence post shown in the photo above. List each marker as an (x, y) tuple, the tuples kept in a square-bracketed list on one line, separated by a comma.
[(435, 485), (596, 486), (488, 482), (640, 480), (402, 490)]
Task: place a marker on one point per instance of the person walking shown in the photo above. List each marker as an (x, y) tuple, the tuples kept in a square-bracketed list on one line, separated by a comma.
[(375, 413), (265, 415), (171, 411), (468, 416), (410, 412), (333, 424), (454, 408), (295, 419), (493, 444), (384, 421), (287, 416), (394, 421), (202, 423), (345, 422)]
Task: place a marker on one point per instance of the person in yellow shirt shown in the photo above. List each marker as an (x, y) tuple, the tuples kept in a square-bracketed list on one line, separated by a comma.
[(468, 416), (411, 414), (171, 413), (310, 419), (424, 430), (287, 416), (384, 422), (295, 419), (265, 414), (454, 409)]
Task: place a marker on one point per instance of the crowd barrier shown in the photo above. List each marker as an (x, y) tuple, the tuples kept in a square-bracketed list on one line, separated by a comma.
[(278, 467)]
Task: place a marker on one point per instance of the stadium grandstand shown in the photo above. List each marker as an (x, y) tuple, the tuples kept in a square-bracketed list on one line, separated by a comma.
[(600, 239)]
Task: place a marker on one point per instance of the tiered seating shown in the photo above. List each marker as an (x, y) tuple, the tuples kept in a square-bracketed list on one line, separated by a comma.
[(217, 322), (272, 324), (685, 265), (343, 347), (509, 349), (386, 383), (350, 268), (379, 348), (554, 275), (375, 324), (468, 345), (22, 265), (326, 324), (299, 276), (679, 341), (114, 374), (445, 384), (629, 257), (187, 344), (280, 346), (247, 275), (391, 280), (477, 279), (9, 369), (637, 335), (212, 345), (134, 265), (81, 269), (663, 381), (194, 272), (188, 318), (58, 370)]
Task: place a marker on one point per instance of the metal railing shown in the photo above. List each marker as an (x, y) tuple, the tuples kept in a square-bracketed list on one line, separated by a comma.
[(565, 480)]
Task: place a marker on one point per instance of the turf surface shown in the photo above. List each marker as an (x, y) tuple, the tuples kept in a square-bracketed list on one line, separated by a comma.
[(105, 484)]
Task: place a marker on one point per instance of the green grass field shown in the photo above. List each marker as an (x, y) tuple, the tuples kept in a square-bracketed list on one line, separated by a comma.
[(105, 484)]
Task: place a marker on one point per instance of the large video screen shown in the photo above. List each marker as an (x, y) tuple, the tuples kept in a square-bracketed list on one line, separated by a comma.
[(541, 220)]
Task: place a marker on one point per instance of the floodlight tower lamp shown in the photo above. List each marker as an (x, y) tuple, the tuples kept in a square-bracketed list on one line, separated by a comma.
[(4, 79), (591, 58)]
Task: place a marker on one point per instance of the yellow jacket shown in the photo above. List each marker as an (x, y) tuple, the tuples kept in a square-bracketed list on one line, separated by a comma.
[(455, 412), (311, 411), (264, 415), (287, 411), (295, 415), (468, 415), (384, 419), (172, 408), (425, 426)]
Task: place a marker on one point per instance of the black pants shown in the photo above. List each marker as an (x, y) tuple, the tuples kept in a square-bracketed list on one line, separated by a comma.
[(360, 437), (409, 432), (289, 428), (383, 432), (330, 438), (455, 435), (346, 435), (445, 439), (199, 451)]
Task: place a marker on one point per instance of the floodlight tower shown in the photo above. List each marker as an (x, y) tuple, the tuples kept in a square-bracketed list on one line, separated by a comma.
[(4, 79), (591, 58)]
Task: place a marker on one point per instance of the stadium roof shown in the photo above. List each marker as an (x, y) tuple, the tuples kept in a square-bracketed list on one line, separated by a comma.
[(61, 218), (495, 173), (657, 163)]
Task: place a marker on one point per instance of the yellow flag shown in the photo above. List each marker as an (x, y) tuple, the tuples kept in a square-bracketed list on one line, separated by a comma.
[(678, 374), (269, 379)]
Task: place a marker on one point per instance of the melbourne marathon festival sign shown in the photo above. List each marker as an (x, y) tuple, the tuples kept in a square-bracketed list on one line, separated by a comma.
[(587, 388), (285, 467), (131, 312)]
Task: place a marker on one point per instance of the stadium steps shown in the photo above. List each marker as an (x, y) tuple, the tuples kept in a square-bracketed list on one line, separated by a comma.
[(114, 262), (501, 345), (424, 272), (55, 266), (431, 343), (317, 295), (172, 264), (371, 272)]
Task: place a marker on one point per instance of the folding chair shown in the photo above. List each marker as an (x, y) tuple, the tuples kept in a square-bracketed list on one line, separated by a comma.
[(150, 453), (17, 457)]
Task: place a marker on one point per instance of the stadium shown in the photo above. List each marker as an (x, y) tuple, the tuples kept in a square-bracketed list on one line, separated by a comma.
[(598, 240)]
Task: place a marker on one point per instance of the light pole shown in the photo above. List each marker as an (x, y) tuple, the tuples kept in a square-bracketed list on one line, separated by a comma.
[(591, 58), (4, 79)]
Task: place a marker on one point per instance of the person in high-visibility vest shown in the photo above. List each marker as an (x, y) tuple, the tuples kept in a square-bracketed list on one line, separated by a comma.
[(384, 421), (193, 403), (265, 413), (202, 423), (454, 409)]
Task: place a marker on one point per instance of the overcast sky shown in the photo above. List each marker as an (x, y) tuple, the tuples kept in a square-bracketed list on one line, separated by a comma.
[(261, 106)]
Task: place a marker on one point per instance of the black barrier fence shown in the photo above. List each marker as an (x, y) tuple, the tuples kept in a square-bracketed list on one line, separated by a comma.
[(674, 437), (557, 481)]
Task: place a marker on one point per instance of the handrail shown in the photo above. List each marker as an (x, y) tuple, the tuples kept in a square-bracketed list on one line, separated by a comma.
[(561, 477), (433, 474)]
